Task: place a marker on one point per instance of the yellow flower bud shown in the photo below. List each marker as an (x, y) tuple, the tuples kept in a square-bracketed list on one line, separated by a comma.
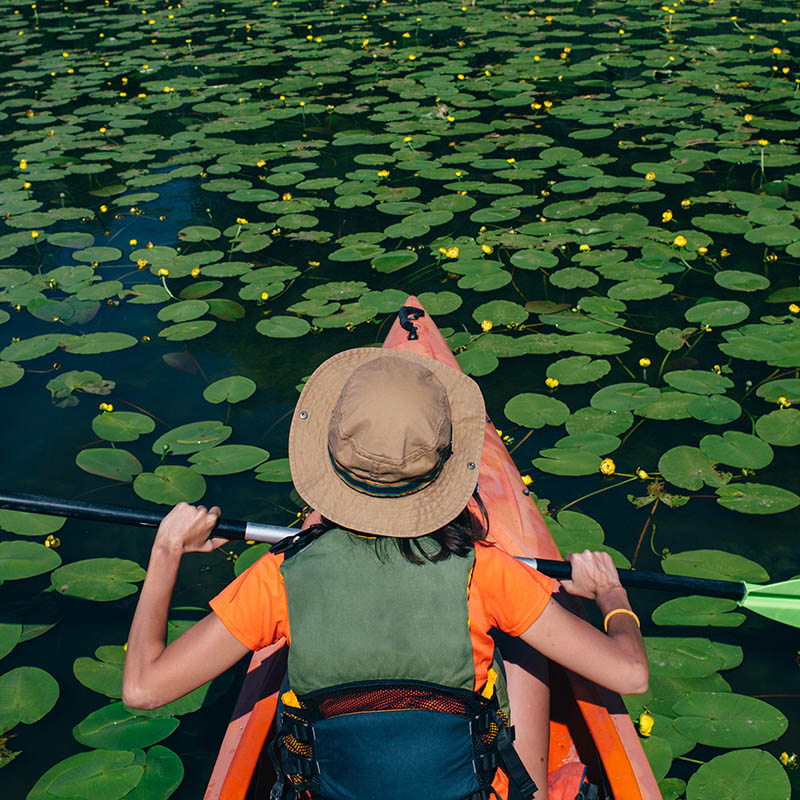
[(487, 325), (607, 466), (794, 308), (763, 142), (644, 362), (488, 249), (666, 216), (163, 273), (784, 402), (551, 383), (265, 295), (686, 203), (642, 474), (241, 221), (195, 272), (526, 479), (286, 196), (748, 117), (584, 248), (646, 723), (34, 234), (650, 176), (452, 252), (679, 241)]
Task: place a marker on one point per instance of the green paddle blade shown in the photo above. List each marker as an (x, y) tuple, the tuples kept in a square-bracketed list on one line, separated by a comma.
[(778, 601)]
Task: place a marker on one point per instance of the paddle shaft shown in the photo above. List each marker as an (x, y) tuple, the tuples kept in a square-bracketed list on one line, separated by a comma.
[(255, 531)]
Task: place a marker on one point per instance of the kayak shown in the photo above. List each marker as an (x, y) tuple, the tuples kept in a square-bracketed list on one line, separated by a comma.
[(591, 732)]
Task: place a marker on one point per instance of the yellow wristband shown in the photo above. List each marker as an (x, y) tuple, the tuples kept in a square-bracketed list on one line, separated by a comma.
[(620, 611)]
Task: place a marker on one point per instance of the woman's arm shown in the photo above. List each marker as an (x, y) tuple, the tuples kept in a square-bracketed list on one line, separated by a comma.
[(616, 660), (154, 673)]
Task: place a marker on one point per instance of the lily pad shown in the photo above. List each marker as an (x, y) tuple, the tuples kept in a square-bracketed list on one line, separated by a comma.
[(578, 369), (122, 426), (624, 397), (170, 485), (694, 610), (107, 462), (725, 719), (10, 373), (163, 773), (392, 262), (232, 390), (184, 331), (228, 459), (26, 695), (109, 774), (276, 471), (113, 727), (780, 428), (536, 410), (477, 362), (737, 449), (682, 657), (192, 437), (100, 579), (715, 564), (756, 498), (743, 774), (500, 312), (718, 313), (592, 419), (739, 281), (25, 559), (697, 382), (567, 461), (100, 676), (440, 303), (183, 310), (688, 468), (26, 523), (283, 327), (94, 343)]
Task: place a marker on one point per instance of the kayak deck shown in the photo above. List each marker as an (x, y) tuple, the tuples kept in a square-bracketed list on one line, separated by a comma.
[(589, 726)]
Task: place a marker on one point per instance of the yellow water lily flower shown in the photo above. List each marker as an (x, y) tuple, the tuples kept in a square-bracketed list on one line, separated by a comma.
[(163, 273), (487, 325), (642, 474), (644, 362), (607, 466), (195, 272), (551, 383), (286, 196), (384, 173), (794, 308), (34, 234), (526, 479), (452, 252), (488, 249), (141, 263), (784, 402), (748, 117), (666, 216), (646, 722), (650, 176), (584, 248), (679, 241), (763, 142)]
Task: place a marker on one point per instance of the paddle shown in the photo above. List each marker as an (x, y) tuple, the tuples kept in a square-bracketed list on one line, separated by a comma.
[(778, 601)]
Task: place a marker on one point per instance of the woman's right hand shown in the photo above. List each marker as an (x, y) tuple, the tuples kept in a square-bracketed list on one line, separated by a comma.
[(186, 529), (593, 575)]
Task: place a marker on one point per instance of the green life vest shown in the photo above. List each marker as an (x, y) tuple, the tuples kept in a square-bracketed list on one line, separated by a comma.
[(373, 632)]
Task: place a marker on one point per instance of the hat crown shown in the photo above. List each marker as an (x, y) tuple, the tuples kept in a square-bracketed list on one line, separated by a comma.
[(392, 422)]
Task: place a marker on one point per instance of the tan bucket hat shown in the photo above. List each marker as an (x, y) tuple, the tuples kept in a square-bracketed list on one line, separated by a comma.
[(387, 442)]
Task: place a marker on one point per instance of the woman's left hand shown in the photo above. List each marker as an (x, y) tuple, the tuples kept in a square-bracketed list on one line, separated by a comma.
[(186, 529)]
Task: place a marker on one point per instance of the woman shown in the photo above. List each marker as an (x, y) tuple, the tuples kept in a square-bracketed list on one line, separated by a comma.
[(388, 604)]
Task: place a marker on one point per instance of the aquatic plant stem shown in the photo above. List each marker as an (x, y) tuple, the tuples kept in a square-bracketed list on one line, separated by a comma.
[(644, 531), (598, 491), (523, 439)]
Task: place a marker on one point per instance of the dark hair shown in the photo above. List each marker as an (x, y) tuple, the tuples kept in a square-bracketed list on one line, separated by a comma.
[(456, 538)]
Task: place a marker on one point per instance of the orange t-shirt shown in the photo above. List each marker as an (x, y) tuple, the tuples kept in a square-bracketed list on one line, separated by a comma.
[(503, 593)]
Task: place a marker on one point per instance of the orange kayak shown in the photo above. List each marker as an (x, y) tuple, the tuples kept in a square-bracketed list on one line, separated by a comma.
[(590, 730)]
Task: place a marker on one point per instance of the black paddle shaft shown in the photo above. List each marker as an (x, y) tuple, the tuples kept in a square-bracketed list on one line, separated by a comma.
[(631, 578), (78, 509)]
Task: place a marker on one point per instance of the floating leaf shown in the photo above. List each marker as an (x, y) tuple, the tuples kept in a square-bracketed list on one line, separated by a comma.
[(535, 410), (113, 727), (697, 382), (440, 303), (783, 387), (170, 485), (184, 331), (109, 774), (163, 773), (781, 427), (745, 774), (228, 459), (717, 313), (276, 471), (232, 390), (739, 281), (25, 559), (392, 262), (659, 755), (122, 426), (685, 658), (26, 695), (283, 327), (716, 409), (26, 523), (694, 610), (725, 719), (10, 635), (192, 437), (183, 310), (567, 461), (688, 468), (107, 462), (715, 564), (578, 369), (99, 676), (98, 578), (93, 343), (500, 312), (10, 373), (756, 498), (624, 397), (737, 449), (593, 420)]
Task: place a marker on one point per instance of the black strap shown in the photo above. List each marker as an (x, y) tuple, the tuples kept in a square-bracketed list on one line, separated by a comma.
[(405, 315), (512, 763)]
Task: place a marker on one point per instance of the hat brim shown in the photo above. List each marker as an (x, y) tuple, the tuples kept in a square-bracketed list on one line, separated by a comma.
[(404, 517)]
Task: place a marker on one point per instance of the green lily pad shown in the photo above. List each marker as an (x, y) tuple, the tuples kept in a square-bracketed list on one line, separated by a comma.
[(170, 485), (718, 313), (682, 657), (534, 259), (716, 409), (10, 373), (358, 252), (598, 443), (535, 410), (477, 362), (100, 579), (113, 727), (109, 774), (667, 690), (192, 437), (739, 281), (102, 255), (715, 564), (122, 426), (26, 695), (199, 233), (100, 676), (107, 462), (228, 459), (688, 468), (671, 788), (276, 471), (392, 262), (624, 397), (672, 338), (183, 310), (756, 498), (10, 635), (573, 531), (725, 719), (659, 755), (694, 610), (283, 327), (94, 343), (642, 289), (780, 428), (578, 369), (231, 390), (26, 523), (25, 559), (163, 773), (27, 349), (588, 419), (783, 387), (567, 461), (184, 331), (670, 405), (440, 303), (743, 774), (737, 449), (500, 312), (697, 382)]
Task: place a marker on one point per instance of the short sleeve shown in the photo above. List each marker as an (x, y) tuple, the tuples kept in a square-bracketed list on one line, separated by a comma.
[(513, 594), (254, 607)]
